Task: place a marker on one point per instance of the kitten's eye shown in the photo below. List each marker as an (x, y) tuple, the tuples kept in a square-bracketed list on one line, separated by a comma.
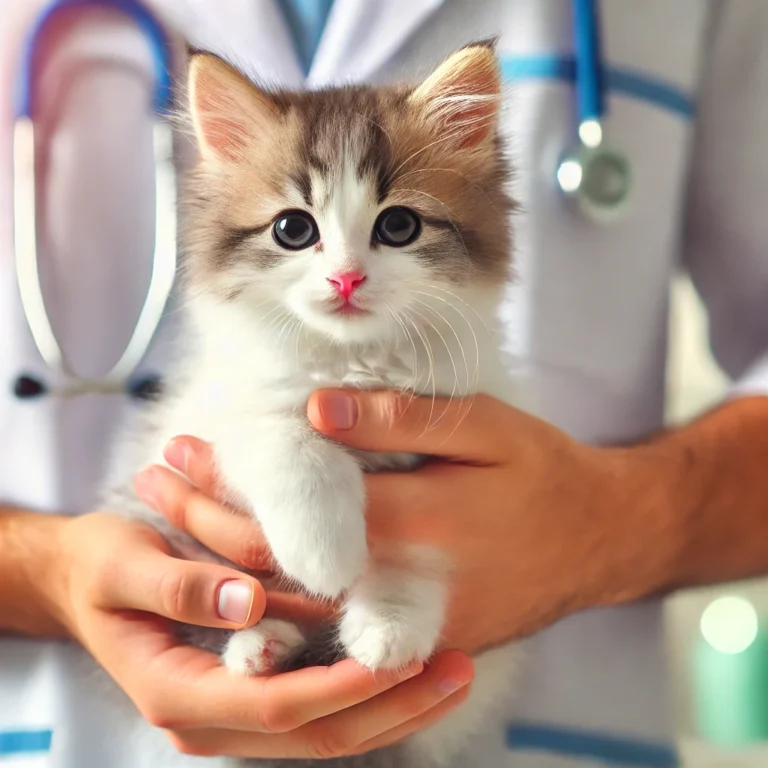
[(397, 227), (295, 230)]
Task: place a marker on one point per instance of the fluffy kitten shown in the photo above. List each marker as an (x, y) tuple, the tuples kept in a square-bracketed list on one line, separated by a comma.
[(356, 236)]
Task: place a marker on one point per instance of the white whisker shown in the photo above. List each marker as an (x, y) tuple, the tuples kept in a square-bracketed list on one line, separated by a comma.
[(471, 330), (419, 151), (456, 336), (454, 171), (411, 388), (431, 377), (373, 122), (458, 298), (448, 350)]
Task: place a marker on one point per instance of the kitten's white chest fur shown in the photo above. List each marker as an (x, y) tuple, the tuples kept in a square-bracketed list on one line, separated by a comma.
[(369, 369)]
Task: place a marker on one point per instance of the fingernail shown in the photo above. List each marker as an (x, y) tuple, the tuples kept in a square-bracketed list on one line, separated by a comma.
[(178, 454), (235, 601), (144, 484), (450, 685), (339, 410)]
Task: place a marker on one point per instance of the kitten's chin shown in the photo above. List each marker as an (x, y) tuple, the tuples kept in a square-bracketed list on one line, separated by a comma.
[(349, 327)]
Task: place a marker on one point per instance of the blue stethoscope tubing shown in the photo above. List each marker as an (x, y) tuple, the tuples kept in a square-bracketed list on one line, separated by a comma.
[(596, 176), (590, 92), (24, 204)]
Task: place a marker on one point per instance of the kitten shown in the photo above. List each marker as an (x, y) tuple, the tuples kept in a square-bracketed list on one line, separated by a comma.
[(354, 236)]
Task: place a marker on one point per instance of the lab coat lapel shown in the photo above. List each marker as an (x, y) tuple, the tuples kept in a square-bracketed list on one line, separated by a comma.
[(361, 36), (251, 34)]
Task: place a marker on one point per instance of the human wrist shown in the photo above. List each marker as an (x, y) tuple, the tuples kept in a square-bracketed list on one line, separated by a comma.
[(30, 573), (639, 538), (690, 506)]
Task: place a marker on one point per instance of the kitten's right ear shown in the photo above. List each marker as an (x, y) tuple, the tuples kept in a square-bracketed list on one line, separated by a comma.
[(227, 110), (461, 98)]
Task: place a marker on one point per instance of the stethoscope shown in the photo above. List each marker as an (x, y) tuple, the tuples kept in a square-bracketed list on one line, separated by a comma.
[(596, 177), (121, 378)]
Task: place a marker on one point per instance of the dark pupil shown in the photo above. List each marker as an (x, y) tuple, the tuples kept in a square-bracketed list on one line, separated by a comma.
[(398, 226), (295, 230)]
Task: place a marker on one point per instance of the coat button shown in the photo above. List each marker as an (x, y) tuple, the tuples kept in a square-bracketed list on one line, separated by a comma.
[(147, 388), (27, 387)]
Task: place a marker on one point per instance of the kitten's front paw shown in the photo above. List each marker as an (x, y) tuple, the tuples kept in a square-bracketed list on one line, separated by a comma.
[(326, 549), (260, 649), (384, 635)]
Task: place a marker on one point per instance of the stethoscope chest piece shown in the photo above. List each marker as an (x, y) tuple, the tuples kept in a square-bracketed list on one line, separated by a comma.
[(592, 175), (598, 180)]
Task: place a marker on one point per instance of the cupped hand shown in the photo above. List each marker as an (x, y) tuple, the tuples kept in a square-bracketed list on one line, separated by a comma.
[(530, 518), (117, 589)]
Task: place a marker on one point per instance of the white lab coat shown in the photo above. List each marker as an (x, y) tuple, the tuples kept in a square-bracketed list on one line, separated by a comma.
[(587, 321)]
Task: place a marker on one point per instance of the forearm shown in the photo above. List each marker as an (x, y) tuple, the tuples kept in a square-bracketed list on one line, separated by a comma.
[(694, 508), (27, 553)]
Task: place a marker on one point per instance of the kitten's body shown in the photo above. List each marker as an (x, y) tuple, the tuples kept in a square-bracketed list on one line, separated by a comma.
[(266, 330)]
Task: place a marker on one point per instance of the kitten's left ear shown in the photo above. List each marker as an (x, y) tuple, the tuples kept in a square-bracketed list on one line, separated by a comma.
[(228, 112), (463, 95)]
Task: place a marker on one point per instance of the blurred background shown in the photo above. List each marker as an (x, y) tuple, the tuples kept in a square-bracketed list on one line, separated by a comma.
[(695, 383)]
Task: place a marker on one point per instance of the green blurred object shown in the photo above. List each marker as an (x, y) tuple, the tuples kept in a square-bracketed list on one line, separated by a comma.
[(731, 674)]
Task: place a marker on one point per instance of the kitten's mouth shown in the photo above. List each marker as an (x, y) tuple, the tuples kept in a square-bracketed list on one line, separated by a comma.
[(350, 310)]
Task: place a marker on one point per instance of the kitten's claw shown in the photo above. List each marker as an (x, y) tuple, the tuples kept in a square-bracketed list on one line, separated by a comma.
[(260, 649)]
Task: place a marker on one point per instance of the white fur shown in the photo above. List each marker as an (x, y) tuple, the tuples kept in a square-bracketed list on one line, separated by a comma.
[(261, 648), (395, 614)]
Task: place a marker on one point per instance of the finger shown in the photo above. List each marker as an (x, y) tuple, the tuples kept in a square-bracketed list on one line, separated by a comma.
[(194, 459), (238, 538), (389, 421), (430, 717), (190, 592), (450, 672), (198, 693), (210, 743), (348, 731)]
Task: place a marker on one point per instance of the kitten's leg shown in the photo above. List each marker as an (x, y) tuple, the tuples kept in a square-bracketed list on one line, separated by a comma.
[(306, 492), (261, 648), (395, 614)]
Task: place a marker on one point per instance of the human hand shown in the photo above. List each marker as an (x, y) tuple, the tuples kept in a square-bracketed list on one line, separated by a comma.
[(119, 608), (533, 521)]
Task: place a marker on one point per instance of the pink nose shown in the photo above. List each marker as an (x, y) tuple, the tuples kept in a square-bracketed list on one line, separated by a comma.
[(347, 283)]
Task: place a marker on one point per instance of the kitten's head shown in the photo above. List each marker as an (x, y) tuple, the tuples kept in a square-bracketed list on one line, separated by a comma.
[(349, 208)]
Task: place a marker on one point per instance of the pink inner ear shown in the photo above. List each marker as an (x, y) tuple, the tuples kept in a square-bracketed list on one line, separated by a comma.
[(478, 121), (224, 129), (475, 123)]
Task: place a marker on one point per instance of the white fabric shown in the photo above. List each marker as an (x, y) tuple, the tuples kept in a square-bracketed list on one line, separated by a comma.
[(587, 322)]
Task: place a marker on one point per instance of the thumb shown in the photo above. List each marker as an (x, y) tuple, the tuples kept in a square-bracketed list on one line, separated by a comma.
[(458, 428), (146, 578)]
